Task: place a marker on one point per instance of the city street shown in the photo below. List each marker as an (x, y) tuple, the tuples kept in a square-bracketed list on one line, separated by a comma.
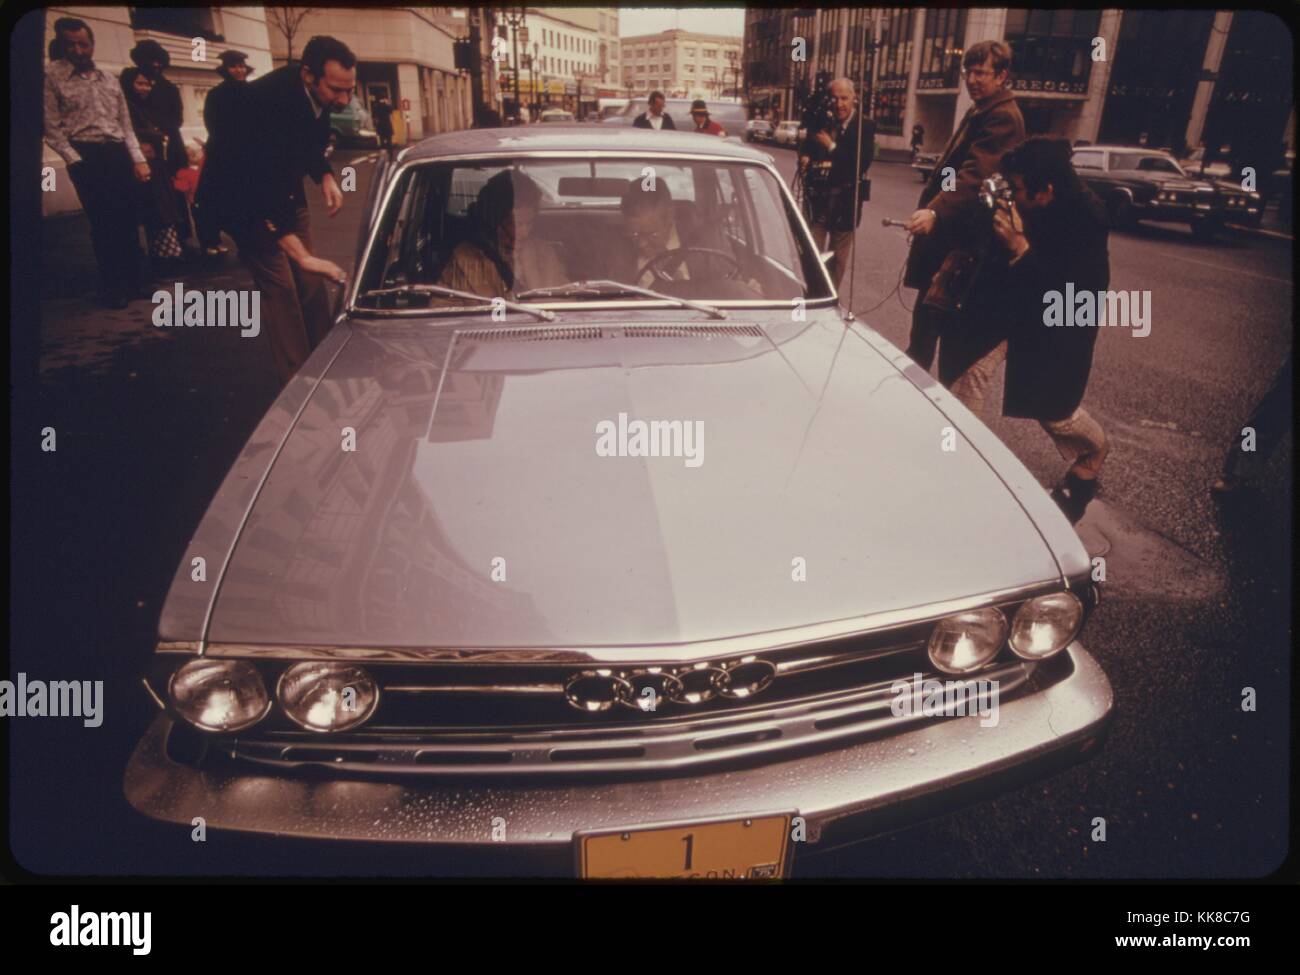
[(1195, 604)]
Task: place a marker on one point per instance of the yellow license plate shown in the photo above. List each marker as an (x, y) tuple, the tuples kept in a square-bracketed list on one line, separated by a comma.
[(734, 849)]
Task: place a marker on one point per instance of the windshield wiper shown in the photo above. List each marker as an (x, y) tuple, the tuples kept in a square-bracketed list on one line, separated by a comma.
[(607, 287), (484, 304)]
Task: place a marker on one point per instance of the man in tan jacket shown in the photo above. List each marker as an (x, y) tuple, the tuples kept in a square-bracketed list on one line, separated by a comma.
[(949, 216)]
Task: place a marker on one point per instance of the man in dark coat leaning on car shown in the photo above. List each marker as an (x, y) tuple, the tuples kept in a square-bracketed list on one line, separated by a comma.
[(1056, 237), (258, 183)]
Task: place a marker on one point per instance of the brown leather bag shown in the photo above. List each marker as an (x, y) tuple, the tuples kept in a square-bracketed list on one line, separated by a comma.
[(951, 284)]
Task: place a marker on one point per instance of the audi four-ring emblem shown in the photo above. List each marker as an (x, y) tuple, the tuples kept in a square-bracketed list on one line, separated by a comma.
[(644, 688)]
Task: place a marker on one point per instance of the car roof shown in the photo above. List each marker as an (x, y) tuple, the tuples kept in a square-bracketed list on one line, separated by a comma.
[(576, 138), (1148, 149)]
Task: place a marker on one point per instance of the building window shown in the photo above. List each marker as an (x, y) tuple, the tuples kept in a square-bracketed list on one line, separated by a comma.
[(828, 42), (711, 52), (191, 22), (890, 101), (858, 35), (1051, 49), (1153, 82), (941, 48)]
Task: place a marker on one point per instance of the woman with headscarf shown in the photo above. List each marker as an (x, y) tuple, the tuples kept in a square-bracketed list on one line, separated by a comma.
[(157, 203), (503, 258)]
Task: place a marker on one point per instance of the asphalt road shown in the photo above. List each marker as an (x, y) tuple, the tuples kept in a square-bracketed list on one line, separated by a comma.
[(1195, 606)]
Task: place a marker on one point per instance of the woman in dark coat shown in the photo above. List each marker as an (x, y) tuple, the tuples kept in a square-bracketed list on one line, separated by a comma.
[(157, 204)]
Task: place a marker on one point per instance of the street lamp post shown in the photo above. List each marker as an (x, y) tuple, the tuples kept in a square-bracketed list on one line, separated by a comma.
[(582, 75), (515, 18), (532, 80)]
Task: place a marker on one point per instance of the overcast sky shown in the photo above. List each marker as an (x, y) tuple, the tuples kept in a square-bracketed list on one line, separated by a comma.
[(706, 20)]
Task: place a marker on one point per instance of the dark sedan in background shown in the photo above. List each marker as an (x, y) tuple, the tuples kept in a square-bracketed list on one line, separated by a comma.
[(1146, 184)]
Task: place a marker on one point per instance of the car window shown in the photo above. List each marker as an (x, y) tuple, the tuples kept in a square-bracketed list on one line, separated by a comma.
[(718, 230), (1157, 164), (1087, 160), (733, 216), (1143, 162), (774, 240), (466, 184)]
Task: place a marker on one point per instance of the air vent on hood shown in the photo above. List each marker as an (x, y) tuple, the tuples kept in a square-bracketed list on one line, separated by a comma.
[(688, 331), (582, 333), (545, 333)]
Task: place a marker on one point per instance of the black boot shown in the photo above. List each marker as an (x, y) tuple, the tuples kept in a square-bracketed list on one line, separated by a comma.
[(1073, 494)]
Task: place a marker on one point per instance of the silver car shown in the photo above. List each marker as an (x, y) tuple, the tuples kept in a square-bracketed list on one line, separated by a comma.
[(668, 568)]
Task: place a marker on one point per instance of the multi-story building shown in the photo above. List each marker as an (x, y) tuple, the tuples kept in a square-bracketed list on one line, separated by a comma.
[(119, 29), (1172, 78), (560, 58), (682, 64), (604, 21), (773, 71), (406, 54)]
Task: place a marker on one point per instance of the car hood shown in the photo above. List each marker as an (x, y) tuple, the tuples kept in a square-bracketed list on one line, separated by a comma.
[(445, 488), (1166, 181)]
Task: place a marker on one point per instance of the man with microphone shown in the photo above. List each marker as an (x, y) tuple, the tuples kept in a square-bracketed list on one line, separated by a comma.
[(949, 229)]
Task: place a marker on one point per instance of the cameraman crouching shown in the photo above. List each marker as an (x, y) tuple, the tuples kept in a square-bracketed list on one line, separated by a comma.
[(830, 188), (1055, 233)]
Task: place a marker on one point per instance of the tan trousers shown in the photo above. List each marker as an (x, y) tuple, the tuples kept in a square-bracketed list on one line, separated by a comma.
[(841, 245), (972, 386), (295, 304), (1081, 441)]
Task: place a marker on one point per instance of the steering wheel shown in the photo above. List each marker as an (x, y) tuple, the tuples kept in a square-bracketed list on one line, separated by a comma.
[(663, 264)]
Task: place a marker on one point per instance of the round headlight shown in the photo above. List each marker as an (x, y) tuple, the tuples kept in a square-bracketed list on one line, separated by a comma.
[(967, 641), (219, 695), (1045, 625), (322, 696)]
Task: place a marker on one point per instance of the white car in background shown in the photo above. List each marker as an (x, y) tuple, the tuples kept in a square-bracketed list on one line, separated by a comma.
[(787, 133)]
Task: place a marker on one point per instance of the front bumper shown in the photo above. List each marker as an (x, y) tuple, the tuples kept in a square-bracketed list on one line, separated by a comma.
[(843, 793)]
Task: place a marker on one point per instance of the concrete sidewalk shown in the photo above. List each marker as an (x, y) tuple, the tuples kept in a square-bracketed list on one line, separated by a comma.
[(77, 332)]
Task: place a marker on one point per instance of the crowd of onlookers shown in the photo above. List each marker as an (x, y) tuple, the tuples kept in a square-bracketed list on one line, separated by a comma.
[(121, 140)]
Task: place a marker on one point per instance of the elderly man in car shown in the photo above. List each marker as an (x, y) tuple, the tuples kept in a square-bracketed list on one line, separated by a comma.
[(503, 258), (656, 250)]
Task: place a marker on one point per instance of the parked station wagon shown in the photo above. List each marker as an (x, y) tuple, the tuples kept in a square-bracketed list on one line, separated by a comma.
[(449, 600)]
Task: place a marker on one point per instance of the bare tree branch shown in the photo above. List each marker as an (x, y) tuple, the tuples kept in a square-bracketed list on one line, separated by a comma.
[(288, 21)]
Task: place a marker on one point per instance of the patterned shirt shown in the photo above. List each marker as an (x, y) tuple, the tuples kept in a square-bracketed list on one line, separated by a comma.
[(85, 108)]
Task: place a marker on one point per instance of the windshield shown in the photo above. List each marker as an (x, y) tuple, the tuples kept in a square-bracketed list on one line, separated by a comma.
[(1144, 162), (709, 231)]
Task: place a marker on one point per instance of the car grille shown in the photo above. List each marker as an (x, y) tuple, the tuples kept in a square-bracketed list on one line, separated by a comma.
[(475, 719)]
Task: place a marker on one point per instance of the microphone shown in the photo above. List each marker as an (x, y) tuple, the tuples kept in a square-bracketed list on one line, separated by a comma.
[(893, 223)]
